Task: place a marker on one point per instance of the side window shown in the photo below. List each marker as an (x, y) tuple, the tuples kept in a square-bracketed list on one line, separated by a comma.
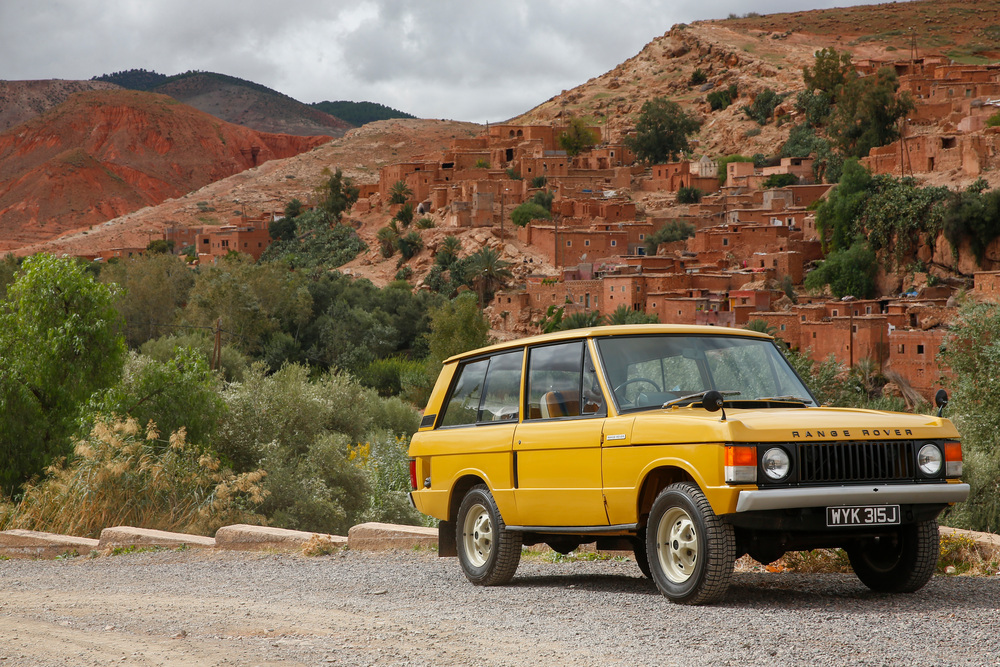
[(561, 384), (463, 404), (503, 388)]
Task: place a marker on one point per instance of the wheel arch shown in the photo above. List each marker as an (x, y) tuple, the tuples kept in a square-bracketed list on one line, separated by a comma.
[(655, 481), (459, 489)]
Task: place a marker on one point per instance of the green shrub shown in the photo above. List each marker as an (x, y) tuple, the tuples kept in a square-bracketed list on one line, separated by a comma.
[(527, 212), (698, 77), (780, 180), (993, 120), (689, 195)]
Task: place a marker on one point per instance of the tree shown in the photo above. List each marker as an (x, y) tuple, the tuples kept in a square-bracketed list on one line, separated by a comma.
[(670, 232), (447, 252), (577, 137), (59, 343), (837, 217), (337, 194), (625, 315), (152, 294), (457, 326), (763, 106), (868, 112), (661, 132), (829, 73), (689, 195), (399, 192), (160, 247), (404, 215), (722, 98), (489, 273), (848, 272), (410, 244), (527, 212), (780, 180)]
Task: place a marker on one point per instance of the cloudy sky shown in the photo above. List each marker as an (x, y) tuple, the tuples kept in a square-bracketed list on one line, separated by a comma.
[(473, 60)]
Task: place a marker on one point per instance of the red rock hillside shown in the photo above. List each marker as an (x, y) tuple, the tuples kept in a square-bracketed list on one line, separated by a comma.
[(102, 154)]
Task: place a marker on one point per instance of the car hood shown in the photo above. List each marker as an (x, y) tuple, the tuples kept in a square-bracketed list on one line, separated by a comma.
[(695, 424)]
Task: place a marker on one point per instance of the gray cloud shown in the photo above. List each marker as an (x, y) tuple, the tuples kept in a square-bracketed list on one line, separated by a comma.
[(471, 60)]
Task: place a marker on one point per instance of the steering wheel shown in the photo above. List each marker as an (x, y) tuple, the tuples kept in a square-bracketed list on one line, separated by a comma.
[(633, 381)]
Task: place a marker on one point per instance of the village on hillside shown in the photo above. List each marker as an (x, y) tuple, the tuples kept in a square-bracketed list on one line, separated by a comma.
[(752, 244)]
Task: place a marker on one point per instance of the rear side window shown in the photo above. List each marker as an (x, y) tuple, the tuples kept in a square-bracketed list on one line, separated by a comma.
[(562, 382), (486, 390)]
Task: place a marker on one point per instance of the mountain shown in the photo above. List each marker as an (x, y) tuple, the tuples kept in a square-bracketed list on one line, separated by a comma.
[(23, 100), (236, 101), (104, 153)]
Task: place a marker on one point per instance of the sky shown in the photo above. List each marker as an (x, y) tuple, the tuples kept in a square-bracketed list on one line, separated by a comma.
[(472, 60)]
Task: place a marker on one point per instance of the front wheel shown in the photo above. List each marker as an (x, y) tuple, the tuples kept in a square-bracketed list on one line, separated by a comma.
[(487, 551), (690, 550), (899, 562)]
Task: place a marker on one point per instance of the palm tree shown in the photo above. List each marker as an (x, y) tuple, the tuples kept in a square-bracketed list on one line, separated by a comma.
[(625, 315), (489, 273), (399, 193), (447, 253), (761, 326)]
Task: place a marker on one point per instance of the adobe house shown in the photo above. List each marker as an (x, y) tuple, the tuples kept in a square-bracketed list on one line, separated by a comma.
[(673, 176), (913, 354), (251, 239), (987, 284), (928, 153), (800, 167)]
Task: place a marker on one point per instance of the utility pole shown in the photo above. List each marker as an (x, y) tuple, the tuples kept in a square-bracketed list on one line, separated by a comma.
[(850, 332), (217, 350)]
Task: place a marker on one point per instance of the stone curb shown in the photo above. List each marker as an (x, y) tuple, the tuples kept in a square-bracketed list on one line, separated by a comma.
[(36, 544), (127, 536), (245, 537), (386, 536)]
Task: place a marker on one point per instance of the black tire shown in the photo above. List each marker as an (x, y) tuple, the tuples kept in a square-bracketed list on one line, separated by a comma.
[(900, 562), (690, 550), (487, 551), (641, 557)]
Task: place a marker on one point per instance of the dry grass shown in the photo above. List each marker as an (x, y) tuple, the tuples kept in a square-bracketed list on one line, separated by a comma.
[(121, 475), (319, 545)]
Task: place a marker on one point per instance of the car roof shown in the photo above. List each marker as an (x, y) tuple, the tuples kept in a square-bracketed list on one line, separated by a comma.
[(613, 330)]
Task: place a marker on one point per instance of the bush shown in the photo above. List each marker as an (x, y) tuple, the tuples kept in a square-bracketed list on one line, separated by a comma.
[(425, 223), (762, 108), (698, 77), (670, 232), (538, 182), (527, 212), (780, 180), (689, 195), (847, 272), (993, 120), (122, 476), (721, 99)]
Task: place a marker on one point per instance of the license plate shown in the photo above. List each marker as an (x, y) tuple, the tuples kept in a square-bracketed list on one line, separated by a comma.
[(863, 515)]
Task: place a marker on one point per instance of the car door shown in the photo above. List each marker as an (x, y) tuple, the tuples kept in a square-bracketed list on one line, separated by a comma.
[(557, 445)]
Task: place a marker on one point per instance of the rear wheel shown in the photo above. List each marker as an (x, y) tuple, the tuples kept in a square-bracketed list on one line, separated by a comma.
[(690, 550), (899, 562), (487, 551)]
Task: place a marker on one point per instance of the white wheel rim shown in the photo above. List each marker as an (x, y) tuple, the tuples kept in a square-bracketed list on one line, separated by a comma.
[(477, 535), (677, 545)]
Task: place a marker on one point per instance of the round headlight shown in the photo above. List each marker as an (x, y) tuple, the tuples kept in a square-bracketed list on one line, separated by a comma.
[(929, 460), (776, 463)]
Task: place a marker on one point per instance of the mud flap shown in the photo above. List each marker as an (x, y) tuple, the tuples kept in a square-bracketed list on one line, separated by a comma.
[(446, 539)]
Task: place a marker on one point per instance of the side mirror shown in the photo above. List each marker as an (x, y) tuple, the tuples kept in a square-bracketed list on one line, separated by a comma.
[(941, 400), (713, 402)]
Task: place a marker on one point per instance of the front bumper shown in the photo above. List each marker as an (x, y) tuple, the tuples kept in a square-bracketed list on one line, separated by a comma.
[(827, 496)]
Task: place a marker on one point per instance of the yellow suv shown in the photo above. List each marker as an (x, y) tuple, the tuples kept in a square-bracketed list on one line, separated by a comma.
[(688, 445)]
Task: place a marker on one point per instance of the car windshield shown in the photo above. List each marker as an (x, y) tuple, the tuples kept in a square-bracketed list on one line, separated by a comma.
[(648, 371)]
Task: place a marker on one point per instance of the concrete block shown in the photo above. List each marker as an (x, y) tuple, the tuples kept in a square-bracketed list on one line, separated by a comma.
[(127, 536), (386, 536), (35, 544), (246, 537)]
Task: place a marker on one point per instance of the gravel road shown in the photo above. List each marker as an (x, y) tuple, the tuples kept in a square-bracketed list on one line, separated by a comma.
[(412, 608)]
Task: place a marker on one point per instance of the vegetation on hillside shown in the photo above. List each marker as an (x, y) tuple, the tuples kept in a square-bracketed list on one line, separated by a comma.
[(359, 113)]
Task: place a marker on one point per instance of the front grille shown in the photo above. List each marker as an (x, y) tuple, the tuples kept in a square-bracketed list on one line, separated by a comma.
[(855, 461)]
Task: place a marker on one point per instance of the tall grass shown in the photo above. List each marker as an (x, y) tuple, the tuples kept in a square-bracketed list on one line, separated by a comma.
[(122, 475)]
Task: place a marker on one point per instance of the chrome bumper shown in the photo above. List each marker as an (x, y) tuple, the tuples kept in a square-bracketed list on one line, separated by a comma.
[(827, 496)]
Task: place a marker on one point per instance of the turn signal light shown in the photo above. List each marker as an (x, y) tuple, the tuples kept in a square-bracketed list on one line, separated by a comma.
[(741, 464), (952, 459), (413, 474)]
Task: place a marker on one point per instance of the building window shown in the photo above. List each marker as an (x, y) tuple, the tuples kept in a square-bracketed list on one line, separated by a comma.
[(782, 327), (920, 349), (814, 334), (900, 349), (587, 242), (569, 244), (802, 318), (836, 312), (613, 243), (725, 241), (642, 237)]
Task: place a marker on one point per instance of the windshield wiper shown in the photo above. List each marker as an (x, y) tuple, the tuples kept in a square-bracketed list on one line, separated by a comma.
[(789, 399), (693, 397)]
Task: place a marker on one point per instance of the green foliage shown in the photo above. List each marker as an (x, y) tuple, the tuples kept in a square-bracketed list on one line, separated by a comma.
[(488, 273), (404, 273), (160, 247), (360, 113), (513, 174), (544, 199), (282, 229), (847, 272), (180, 393), (867, 112), (897, 213), (837, 219), (972, 217), (581, 320), (625, 315), (58, 345), (404, 215), (577, 137), (761, 326), (762, 108), (410, 244), (232, 362), (780, 180), (482, 163), (124, 476), (722, 98), (383, 457), (527, 212), (456, 326), (388, 239), (723, 161), (698, 77), (152, 292), (388, 376), (689, 195), (972, 353), (399, 192), (662, 131), (293, 209), (816, 107), (538, 181), (830, 72), (993, 120), (336, 194), (317, 244), (552, 320), (9, 266), (670, 232), (447, 252), (134, 79), (425, 223)]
